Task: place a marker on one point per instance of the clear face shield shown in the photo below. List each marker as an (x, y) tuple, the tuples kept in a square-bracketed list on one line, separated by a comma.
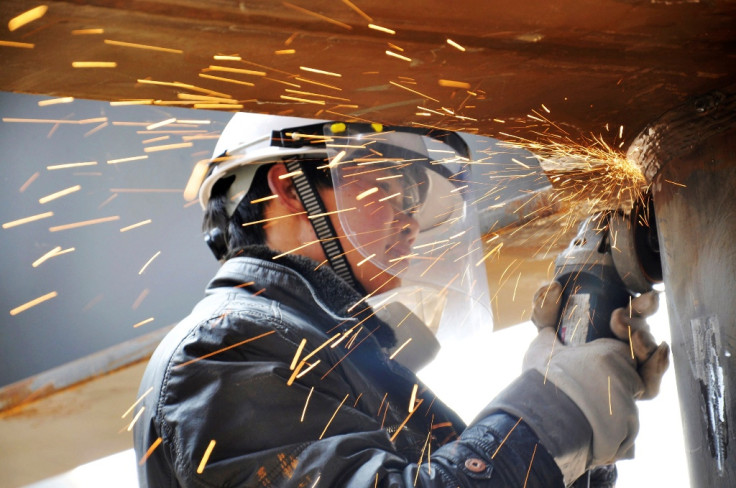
[(404, 203)]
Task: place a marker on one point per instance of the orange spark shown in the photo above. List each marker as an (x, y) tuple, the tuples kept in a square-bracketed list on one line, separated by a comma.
[(140, 399), (143, 46), (33, 303), (135, 419), (84, 223), (55, 101), (156, 125), (303, 100), (398, 56), (319, 16), (382, 29), (135, 226), (454, 84), (455, 45), (27, 17), (81, 32), (94, 64), (191, 361), (26, 220), (357, 10), (413, 91), (23, 45), (206, 457), (320, 71), (398, 350), (304, 411), (504, 439), (126, 160), (149, 262), (143, 322), (150, 450), (334, 415), (167, 147), (297, 354), (60, 194)]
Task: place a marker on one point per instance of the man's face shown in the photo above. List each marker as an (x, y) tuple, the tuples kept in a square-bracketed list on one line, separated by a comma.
[(381, 228)]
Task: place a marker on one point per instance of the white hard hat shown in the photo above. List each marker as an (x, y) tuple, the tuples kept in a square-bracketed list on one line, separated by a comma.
[(245, 144)]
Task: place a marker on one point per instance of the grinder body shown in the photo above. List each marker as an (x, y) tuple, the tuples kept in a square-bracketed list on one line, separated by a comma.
[(612, 258)]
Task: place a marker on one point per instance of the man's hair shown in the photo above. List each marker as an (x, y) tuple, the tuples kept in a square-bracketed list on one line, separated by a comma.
[(236, 236)]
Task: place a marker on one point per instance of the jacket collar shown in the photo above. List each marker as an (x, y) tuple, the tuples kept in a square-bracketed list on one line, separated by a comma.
[(293, 278)]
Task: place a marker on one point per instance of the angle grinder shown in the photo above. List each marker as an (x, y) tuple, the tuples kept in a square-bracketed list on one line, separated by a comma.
[(613, 257)]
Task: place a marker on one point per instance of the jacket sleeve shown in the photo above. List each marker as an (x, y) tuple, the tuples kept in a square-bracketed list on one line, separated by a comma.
[(311, 433)]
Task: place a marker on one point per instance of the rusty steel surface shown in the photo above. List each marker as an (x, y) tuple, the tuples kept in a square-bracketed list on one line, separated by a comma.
[(590, 62), (689, 155)]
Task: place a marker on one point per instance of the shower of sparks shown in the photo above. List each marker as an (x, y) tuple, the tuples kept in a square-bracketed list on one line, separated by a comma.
[(150, 450), (334, 415), (25, 220), (143, 46), (27, 17), (206, 457), (33, 303), (59, 194), (455, 45), (304, 411), (149, 262)]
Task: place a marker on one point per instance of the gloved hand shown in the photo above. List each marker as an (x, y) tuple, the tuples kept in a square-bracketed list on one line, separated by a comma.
[(651, 360), (603, 377)]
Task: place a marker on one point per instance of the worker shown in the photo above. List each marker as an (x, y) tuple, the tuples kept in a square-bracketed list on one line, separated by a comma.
[(345, 248)]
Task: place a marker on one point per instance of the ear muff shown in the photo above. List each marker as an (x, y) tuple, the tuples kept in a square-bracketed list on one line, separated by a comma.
[(217, 242)]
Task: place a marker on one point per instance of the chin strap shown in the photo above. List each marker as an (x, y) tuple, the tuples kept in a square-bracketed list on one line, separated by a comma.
[(322, 225)]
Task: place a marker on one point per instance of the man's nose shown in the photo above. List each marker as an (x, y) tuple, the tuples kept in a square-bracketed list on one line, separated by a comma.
[(408, 226)]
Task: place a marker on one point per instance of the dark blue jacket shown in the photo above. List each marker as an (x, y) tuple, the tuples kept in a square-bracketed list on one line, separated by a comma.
[(223, 379)]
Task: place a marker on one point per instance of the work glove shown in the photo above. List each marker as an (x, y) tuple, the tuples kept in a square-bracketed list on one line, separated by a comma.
[(604, 377), (628, 324), (580, 400)]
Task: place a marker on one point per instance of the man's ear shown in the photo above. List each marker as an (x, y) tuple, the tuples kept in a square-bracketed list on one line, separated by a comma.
[(283, 187)]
